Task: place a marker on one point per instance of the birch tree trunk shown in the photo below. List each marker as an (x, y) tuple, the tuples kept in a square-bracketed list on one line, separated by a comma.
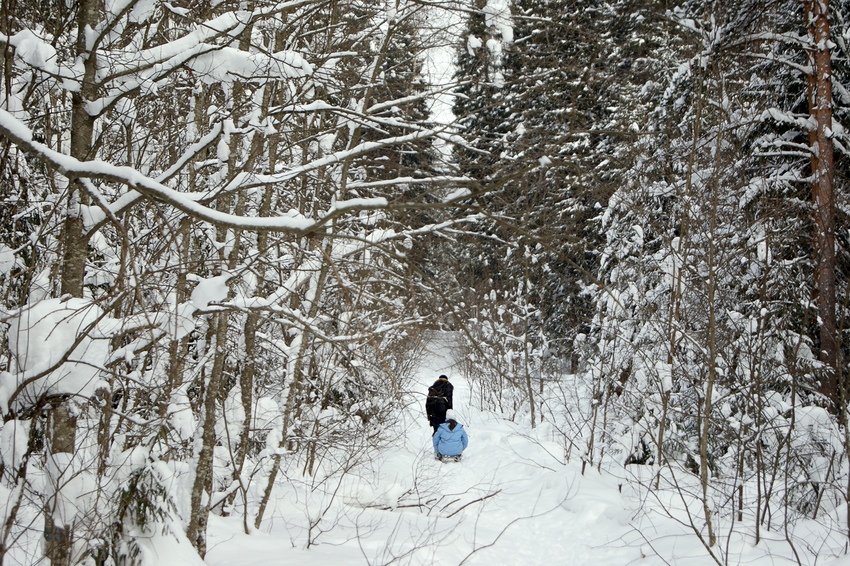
[(202, 487), (296, 382), (705, 417)]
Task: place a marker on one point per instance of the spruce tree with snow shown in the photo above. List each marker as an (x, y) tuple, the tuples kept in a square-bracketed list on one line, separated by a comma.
[(706, 334)]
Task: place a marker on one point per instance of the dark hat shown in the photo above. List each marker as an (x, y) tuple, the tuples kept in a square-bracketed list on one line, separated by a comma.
[(444, 376)]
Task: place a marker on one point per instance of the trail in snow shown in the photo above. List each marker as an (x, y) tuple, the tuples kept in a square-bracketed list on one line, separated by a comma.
[(511, 499)]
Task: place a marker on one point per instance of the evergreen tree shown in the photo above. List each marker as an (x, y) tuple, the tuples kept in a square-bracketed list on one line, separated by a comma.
[(551, 112), (705, 320)]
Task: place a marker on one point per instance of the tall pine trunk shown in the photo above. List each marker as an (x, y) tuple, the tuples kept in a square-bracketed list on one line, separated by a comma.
[(823, 197)]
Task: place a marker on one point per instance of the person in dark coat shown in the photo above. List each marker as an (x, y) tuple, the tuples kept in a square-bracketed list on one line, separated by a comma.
[(439, 401)]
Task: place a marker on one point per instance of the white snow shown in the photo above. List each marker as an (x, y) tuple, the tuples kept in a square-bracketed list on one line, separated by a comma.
[(14, 436), (228, 64), (457, 194), (210, 290), (42, 335), (7, 259), (497, 13), (519, 496), (514, 499)]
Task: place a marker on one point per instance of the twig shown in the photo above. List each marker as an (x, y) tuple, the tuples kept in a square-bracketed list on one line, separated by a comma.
[(475, 501)]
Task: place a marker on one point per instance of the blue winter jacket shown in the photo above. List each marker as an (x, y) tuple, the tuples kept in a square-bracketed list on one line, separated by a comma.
[(450, 442)]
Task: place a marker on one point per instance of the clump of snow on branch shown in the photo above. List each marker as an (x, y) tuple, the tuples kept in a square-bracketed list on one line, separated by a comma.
[(497, 14), (42, 335), (212, 290), (14, 437), (8, 259), (229, 64), (472, 43)]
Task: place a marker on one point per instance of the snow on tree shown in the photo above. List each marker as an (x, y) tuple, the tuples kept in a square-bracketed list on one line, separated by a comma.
[(703, 337), (197, 178)]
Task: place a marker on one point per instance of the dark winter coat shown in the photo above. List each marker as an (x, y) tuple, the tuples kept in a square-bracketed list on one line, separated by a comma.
[(439, 401), (448, 442)]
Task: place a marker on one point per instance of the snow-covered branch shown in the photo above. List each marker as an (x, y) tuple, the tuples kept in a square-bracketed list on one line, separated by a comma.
[(14, 130)]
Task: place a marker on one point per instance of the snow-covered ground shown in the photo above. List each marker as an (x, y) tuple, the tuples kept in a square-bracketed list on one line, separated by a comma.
[(512, 500)]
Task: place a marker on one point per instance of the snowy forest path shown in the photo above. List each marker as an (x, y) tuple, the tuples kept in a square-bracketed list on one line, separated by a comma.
[(511, 500), (492, 501)]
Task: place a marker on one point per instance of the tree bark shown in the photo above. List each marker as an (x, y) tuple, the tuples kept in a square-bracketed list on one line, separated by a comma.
[(82, 128), (823, 197), (61, 433), (202, 486)]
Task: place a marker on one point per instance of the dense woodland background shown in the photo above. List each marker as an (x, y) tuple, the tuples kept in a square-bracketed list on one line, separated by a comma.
[(226, 227)]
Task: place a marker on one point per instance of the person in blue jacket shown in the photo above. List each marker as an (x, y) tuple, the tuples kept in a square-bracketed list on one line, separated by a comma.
[(450, 440)]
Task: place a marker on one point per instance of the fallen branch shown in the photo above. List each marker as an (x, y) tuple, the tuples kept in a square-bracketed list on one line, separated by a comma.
[(474, 501)]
